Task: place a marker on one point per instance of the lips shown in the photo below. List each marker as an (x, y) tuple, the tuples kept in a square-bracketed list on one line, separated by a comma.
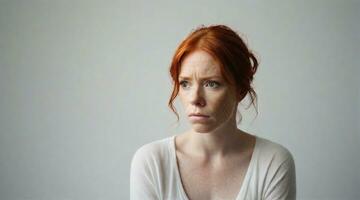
[(199, 118), (198, 115)]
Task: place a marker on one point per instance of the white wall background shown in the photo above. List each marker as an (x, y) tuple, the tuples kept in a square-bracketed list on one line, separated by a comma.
[(83, 84)]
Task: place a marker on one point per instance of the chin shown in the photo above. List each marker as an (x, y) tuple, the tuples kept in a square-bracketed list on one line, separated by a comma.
[(202, 128)]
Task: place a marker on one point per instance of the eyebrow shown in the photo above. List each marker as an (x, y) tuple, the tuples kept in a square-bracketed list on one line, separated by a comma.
[(207, 77)]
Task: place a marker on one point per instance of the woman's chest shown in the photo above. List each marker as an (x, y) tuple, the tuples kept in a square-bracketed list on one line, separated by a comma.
[(209, 181)]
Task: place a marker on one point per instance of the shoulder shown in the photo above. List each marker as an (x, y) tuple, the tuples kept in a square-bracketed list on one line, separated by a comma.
[(276, 168), (148, 166), (273, 152), (151, 152)]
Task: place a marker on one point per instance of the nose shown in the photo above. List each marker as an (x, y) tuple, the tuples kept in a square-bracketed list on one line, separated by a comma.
[(197, 97)]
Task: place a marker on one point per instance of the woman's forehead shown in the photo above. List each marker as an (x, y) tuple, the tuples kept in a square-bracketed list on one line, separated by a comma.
[(199, 63)]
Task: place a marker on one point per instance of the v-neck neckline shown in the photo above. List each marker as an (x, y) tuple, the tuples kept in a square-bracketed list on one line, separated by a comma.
[(245, 180)]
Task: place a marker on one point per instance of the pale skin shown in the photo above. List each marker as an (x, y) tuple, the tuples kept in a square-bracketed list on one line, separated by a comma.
[(213, 156)]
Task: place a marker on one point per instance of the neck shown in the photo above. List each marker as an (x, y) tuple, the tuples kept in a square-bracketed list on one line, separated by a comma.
[(217, 143)]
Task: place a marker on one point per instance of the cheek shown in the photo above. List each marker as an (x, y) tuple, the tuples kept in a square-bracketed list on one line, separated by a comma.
[(182, 98), (224, 106)]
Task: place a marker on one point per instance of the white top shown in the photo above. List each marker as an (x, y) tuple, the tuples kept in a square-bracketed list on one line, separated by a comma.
[(155, 175)]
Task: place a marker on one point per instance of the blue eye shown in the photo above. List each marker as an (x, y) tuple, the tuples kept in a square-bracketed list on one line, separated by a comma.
[(183, 83), (213, 84)]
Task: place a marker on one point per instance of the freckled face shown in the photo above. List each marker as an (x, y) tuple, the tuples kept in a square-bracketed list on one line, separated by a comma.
[(204, 90)]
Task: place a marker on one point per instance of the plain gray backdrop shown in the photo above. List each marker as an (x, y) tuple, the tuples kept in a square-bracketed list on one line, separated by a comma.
[(83, 84)]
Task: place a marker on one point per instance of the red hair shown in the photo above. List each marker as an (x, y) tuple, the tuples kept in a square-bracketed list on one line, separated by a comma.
[(238, 64)]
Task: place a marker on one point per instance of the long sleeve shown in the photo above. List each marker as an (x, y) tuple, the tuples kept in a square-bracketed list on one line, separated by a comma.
[(283, 181), (142, 180)]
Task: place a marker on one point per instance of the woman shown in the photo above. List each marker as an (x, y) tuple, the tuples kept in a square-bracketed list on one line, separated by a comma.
[(212, 71)]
